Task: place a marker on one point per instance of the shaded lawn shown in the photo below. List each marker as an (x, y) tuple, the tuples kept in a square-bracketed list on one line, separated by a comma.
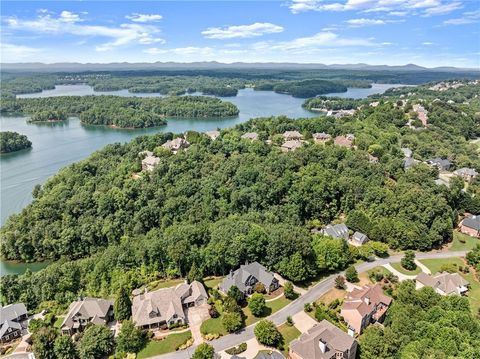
[(289, 333), (469, 242), (58, 322), (167, 345), (212, 282), (398, 266), (164, 283), (435, 264)]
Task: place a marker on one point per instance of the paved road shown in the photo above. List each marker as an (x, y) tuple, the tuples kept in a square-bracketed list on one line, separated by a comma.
[(313, 294)]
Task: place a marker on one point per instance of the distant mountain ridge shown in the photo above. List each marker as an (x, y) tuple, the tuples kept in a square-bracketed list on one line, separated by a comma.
[(80, 67)]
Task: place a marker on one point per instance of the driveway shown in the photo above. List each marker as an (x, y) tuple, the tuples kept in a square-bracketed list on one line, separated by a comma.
[(401, 276), (303, 321), (311, 295), (195, 317)]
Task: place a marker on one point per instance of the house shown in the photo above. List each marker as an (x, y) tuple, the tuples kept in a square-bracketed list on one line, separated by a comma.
[(343, 113), (409, 162), (364, 306), (323, 341), (471, 226), (441, 164), (292, 135), (213, 135), (150, 161), (265, 355), (85, 311), (245, 278), (444, 283), (321, 137), (422, 114), (358, 239), (468, 174), (11, 317), (290, 146), (336, 231), (407, 152), (344, 141), (165, 307), (252, 136), (176, 144), (372, 159)]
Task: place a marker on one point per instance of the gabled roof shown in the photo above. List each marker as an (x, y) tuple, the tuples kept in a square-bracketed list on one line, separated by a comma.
[(7, 324), (321, 136), (213, 134), (240, 276), (465, 171), (12, 311), (336, 231), (472, 222), (176, 144), (87, 309), (343, 141), (365, 299), (292, 144), (360, 237), (407, 152), (307, 346), (157, 306), (250, 136), (446, 282), (292, 134)]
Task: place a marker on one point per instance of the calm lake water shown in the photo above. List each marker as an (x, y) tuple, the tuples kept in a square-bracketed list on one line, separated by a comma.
[(56, 145)]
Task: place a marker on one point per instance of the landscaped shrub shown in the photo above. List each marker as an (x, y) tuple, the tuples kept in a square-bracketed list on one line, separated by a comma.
[(340, 282), (408, 262), (237, 350), (260, 288)]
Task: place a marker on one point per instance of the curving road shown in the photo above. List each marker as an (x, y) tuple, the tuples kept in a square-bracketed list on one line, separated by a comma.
[(296, 306)]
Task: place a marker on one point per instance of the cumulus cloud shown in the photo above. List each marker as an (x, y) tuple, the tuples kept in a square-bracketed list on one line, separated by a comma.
[(17, 52), (395, 7), (71, 23), (364, 22), (242, 31), (136, 17)]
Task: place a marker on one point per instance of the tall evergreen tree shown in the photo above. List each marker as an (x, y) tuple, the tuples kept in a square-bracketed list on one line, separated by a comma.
[(123, 305)]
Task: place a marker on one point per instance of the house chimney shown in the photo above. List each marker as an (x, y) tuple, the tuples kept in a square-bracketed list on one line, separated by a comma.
[(322, 345), (367, 300), (351, 332), (145, 291)]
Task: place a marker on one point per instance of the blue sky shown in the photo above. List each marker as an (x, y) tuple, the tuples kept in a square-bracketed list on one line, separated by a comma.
[(394, 32)]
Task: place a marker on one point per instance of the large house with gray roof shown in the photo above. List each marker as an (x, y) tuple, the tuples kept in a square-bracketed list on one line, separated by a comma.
[(245, 278), (323, 341), (471, 226), (11, 317), (165, 307), (444, 283), (336, 231), (85, 311)]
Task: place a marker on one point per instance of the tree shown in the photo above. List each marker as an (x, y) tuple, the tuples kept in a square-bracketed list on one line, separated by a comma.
[(259, 287), (256, 304), (232, 321), (267, 333), (235, 293), (123, 305), (231, 306), (340, 282), (408, 261), (351, 274), (288, 290), (65, 348), (294, 267), (195, 273), (96, 342), (332, 254), (130, 339), (44, 343), (204, 351)]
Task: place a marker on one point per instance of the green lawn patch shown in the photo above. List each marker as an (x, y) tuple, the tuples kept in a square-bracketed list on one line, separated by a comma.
[(272, 307), (164, 283), (473, 292), (212, 282), (213, 326), (289, 333), (463, 242), (435, 264), (167, 345), (402, 270), (58, 322)]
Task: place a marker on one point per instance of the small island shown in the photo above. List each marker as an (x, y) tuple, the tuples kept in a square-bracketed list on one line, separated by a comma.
[(13, 141), (48, 116)]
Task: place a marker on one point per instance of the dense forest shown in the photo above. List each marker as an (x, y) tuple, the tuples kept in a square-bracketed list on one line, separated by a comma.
[(226, 201), (332, 103), (13, 141), (424, 324), (48, 116), (118, 111), (308, 88)]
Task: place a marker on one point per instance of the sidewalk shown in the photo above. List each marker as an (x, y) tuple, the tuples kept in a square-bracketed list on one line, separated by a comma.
[(282, 281)]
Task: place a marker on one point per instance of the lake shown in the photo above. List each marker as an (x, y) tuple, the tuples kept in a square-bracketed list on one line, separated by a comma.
[(56, 145)]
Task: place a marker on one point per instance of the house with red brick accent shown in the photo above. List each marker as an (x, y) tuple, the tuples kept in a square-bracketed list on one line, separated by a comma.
[(471, 226)]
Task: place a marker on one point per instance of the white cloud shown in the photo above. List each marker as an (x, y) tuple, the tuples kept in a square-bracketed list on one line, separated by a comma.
[(469, 17), (242, 31), (16, 52), (136, 17), (70, 23), (319, 40), (394, 7), (364, 22), (427, 43)]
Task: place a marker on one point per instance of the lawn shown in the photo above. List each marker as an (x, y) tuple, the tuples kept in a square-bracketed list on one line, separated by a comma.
[(435, 264), (213, 326), (58, 322), (272, 307), (474, 291), (331, 295), (164, 283), (469, 242), (402, 270), (289, 333), (167, 345), (212, 282)]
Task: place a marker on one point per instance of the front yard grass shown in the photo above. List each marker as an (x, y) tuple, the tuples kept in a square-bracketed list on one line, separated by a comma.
[(158, 284), (435, 264), (212, 282), (473, 292), (213, 326), (468, 242), (402, 270), (272, 307), (167, 345), (289, 333)]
